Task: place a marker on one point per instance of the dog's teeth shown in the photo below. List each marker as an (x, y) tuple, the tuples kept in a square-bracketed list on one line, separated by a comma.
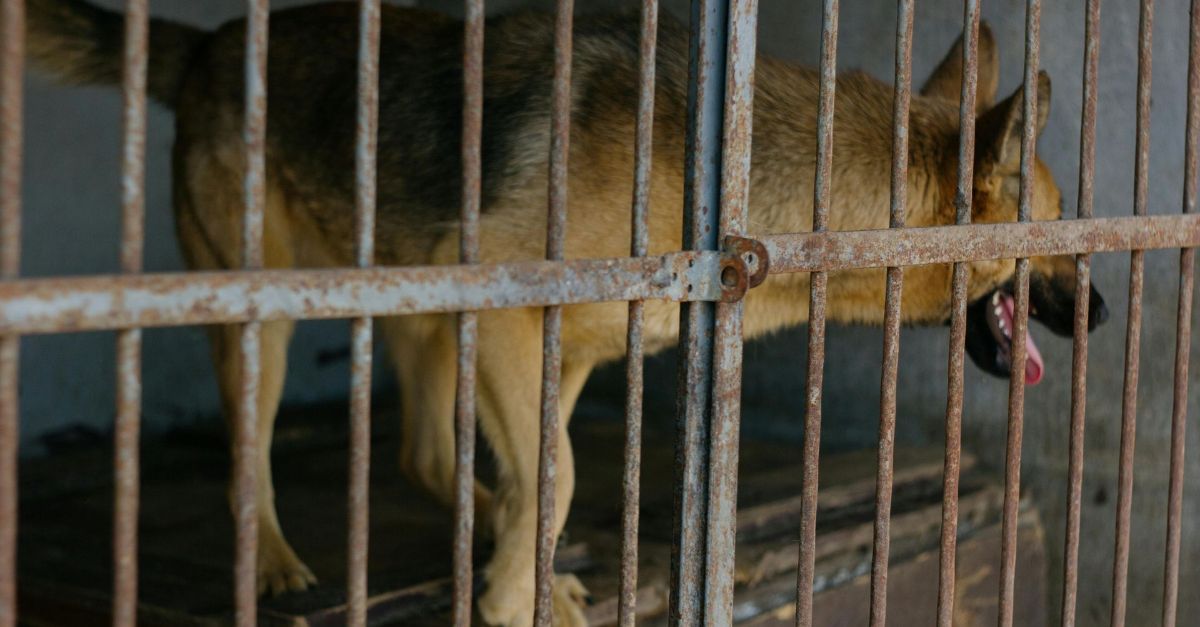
[(999, 312)]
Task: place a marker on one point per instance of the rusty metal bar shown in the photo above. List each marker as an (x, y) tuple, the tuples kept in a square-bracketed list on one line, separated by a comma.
[(706, 84), (468, 323), (964, 185), (901, 99), (63, 305), (1016, 390), (1178, 432), (741, 41), (129, 341), (72, 304), (367, 131), (851, 250), (12, 64), (1134, 329), (1083, 266), (816, 317), (556, 226), (245, 437), (635, 349), (464, 473), (1183, 335), (245, 457)]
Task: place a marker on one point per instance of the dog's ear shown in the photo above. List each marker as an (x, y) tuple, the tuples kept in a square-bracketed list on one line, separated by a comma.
[(946, 81), (998, 132)]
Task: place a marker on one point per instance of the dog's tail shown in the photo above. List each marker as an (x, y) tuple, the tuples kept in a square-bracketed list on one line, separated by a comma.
[(80, 43)]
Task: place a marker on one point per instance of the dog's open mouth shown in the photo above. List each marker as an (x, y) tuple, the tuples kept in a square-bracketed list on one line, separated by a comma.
[(999, 315)]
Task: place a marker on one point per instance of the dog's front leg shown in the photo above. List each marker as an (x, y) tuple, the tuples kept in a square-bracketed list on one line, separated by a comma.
[(510, 361)]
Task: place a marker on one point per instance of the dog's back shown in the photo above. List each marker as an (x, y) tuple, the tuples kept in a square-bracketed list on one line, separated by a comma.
[(312, 92)]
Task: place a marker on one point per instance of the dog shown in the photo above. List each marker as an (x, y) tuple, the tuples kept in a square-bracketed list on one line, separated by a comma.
[(309, 213)]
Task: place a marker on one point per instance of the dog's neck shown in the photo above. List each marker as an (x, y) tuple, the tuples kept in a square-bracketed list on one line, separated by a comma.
[(785, 143), (783, 175)]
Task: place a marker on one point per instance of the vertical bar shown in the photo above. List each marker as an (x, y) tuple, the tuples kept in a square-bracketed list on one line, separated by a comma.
[(1083, 265), (1183, 336), (367, 129), (468, 330), (706, 61), (246, 430), (556, 226), (816, 319), (891, 343), (635, 358), (1134, 329), (740, 33), (12, 63), (129, 341), (1016, 390), (901, 100), (958, 318)]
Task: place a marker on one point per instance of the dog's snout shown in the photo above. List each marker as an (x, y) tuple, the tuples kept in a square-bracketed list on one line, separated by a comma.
[(1097, 310)]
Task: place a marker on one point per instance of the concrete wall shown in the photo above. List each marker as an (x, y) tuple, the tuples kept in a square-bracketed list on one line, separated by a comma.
[(72, 198)]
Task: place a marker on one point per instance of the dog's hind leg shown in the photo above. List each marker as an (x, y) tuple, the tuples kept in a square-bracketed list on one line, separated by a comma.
[(510, 369), (202, 187), (424, 353), (279, 569)]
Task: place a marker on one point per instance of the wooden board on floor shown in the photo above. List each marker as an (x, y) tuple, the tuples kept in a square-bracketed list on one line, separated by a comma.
[(186, 534)]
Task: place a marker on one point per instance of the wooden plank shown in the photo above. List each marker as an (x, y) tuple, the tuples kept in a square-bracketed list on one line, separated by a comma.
[(66, 522), (912, 588)]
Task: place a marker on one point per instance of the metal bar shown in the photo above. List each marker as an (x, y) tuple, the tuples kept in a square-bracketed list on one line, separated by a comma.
[(901, 100), (468, 333), (245, 458), (255, 132), (816, 317), (852, 250), (1183, 335), (71, 304), (12, 63), (958, 318), (556, 227), (129, 341), (367, 129), (706, 84), (1133, 331), (635, 350), (1087, 173), (1016, 390), (60, 305), (741, 37), (246, 445)]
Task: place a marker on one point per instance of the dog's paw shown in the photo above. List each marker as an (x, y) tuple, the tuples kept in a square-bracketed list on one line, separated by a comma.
[(280, 571), (507, 607), (504, 606)]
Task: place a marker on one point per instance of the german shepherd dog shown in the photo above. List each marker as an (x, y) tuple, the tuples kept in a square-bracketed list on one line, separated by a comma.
[(310, 212)]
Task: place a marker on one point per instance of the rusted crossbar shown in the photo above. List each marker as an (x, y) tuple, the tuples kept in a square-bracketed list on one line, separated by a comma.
[(62, 305), (831, 251)]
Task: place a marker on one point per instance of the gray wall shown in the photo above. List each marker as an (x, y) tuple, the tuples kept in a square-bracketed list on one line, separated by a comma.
[(72, 226)]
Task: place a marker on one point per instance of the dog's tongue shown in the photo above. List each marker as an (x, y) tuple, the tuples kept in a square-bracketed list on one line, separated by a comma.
[(1034, 367)]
